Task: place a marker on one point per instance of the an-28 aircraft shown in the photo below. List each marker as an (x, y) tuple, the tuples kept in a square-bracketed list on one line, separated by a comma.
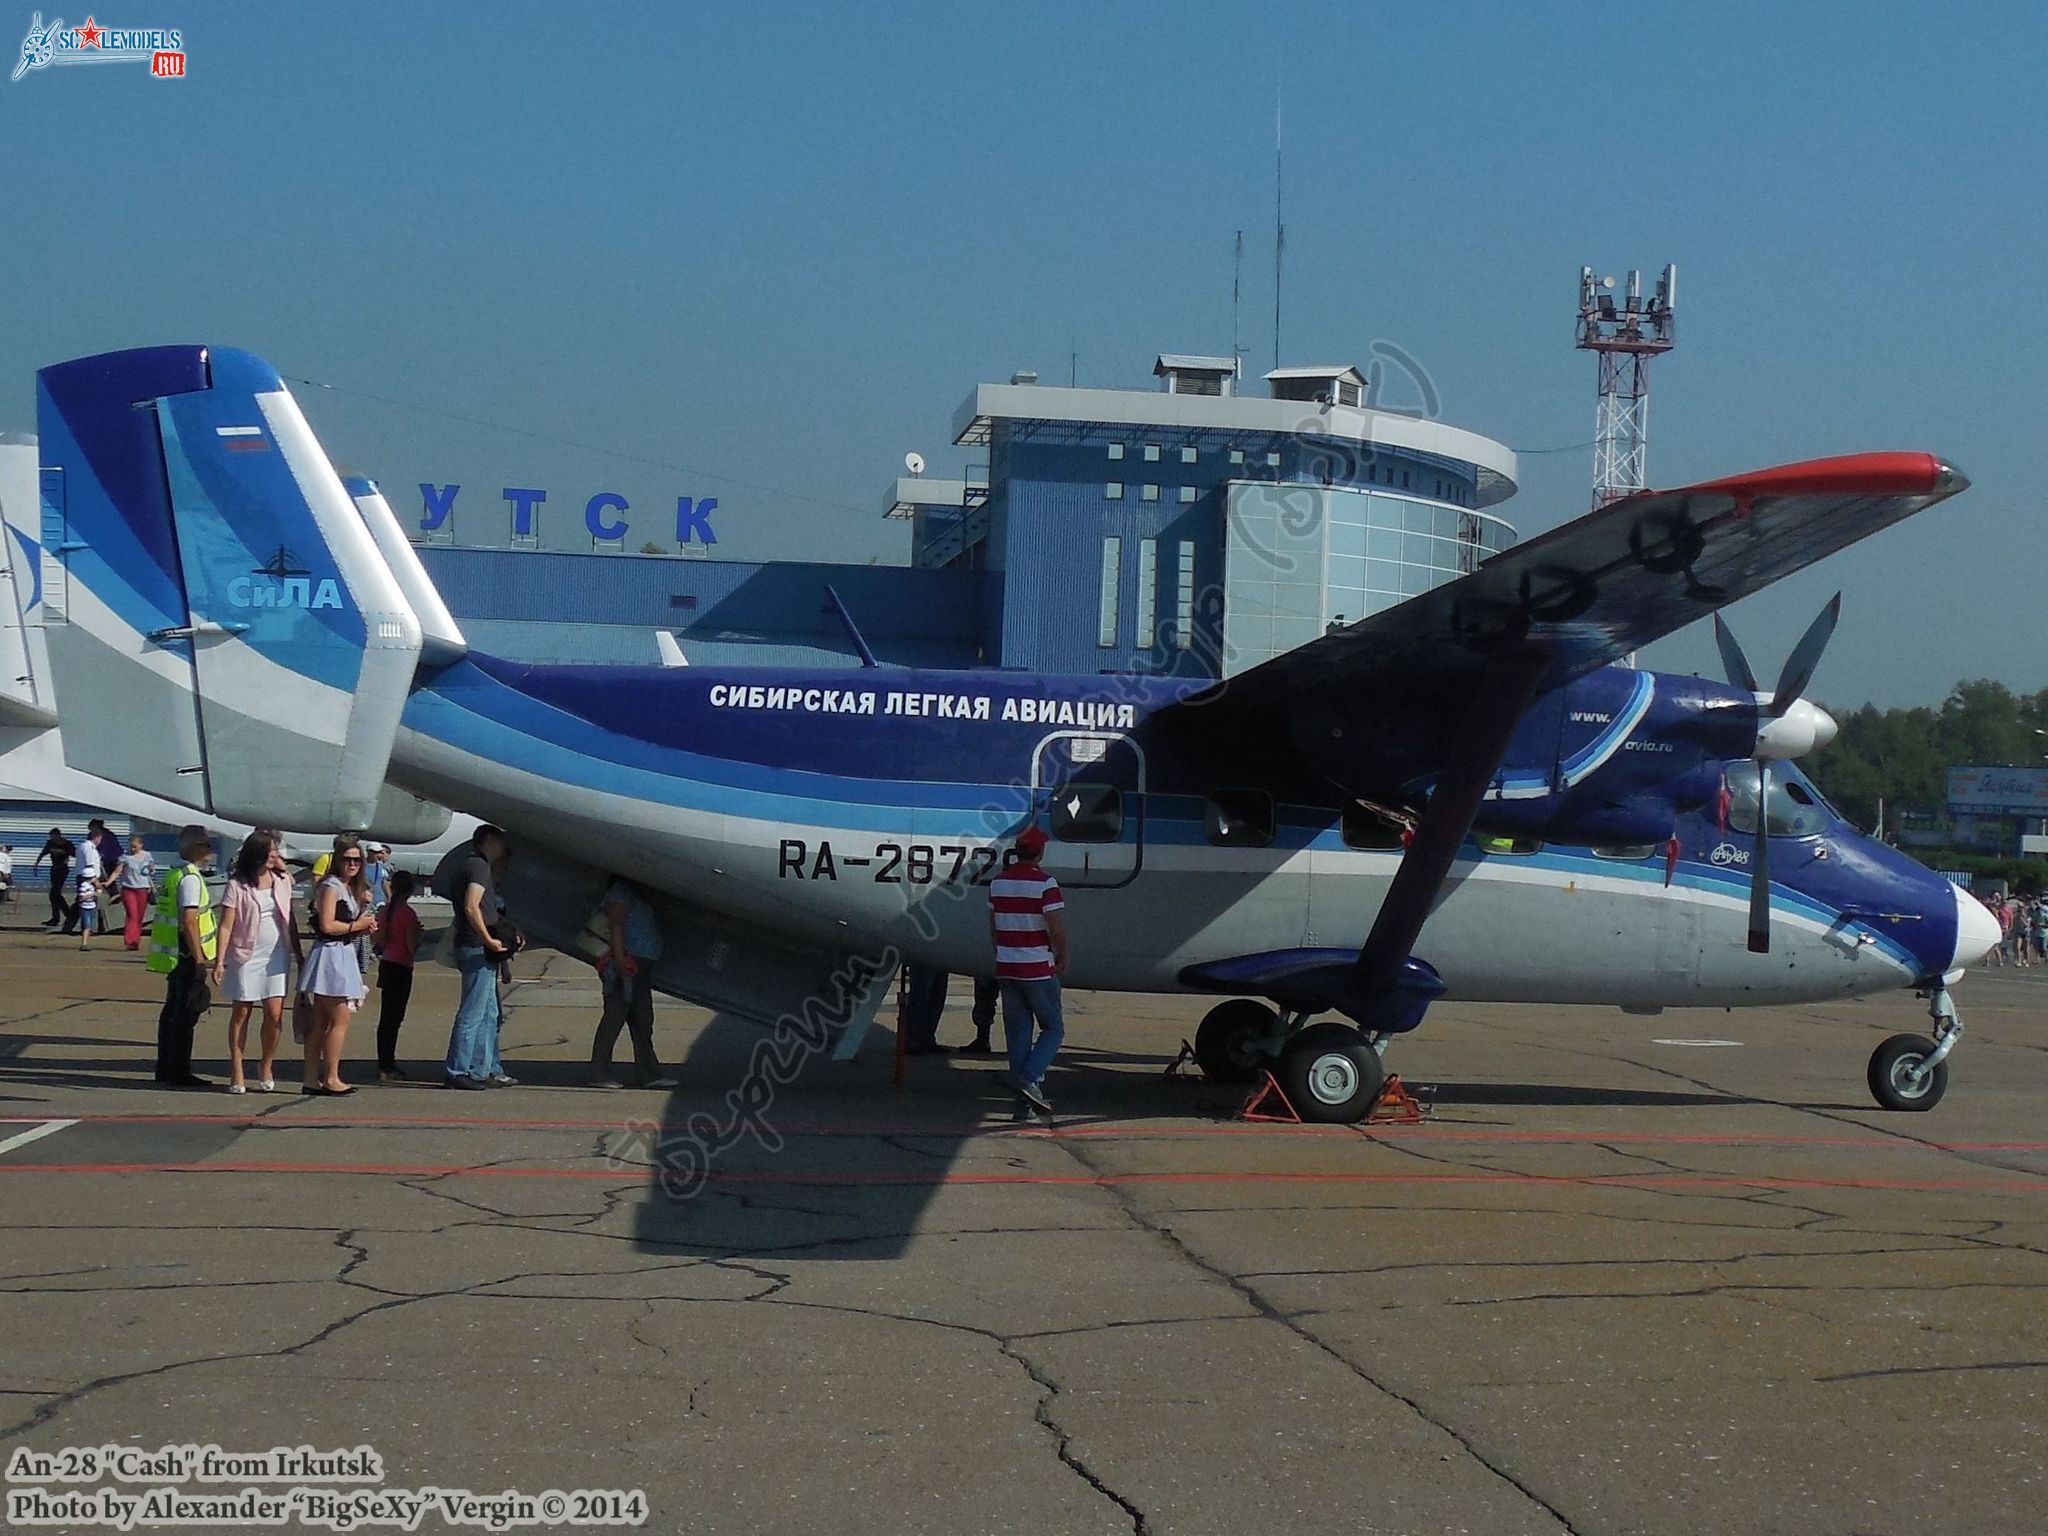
[(1462, 796)]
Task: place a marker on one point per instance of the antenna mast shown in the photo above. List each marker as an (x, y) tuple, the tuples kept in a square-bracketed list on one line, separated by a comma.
[(1279, 228), (1236, 289), (1627, 335)]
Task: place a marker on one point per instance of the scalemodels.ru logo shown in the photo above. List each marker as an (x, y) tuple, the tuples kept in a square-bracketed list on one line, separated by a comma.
[(161, 48)]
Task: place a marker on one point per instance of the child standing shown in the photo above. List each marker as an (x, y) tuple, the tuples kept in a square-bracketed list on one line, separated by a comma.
[(90, 872), (398, 946)]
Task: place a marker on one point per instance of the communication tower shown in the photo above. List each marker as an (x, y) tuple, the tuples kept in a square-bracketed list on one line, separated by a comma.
[(1627, 333)]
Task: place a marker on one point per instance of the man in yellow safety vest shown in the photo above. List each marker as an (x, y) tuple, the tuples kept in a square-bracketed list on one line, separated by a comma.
[(181, 948)]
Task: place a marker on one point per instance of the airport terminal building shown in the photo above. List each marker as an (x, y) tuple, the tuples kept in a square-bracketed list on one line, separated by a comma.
[(1188, 529)]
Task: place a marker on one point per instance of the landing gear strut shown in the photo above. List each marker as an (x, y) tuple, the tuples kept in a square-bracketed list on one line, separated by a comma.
[(1911, 1071)]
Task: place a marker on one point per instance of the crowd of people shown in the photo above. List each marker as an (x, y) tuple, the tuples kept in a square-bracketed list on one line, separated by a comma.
[(250, 950), (2023, 930), (87, 879)]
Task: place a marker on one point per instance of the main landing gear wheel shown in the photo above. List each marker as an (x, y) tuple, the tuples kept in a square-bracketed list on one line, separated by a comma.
[(1231, 1046), (1330, 1075), (1900, 1077)]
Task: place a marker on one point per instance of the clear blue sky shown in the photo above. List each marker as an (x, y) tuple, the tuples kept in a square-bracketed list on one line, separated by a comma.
[(779, 243)]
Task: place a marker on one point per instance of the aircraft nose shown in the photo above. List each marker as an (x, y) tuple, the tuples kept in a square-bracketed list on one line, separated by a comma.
[(1977, 932)]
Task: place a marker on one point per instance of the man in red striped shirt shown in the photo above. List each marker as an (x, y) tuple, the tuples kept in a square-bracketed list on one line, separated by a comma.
[(1030, 938)]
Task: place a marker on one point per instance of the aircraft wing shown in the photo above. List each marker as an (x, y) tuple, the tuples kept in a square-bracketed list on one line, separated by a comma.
[(1588, 593), (1437, 684)]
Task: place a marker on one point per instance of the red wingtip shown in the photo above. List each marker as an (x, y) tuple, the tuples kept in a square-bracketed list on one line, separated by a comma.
[(1855, 474)]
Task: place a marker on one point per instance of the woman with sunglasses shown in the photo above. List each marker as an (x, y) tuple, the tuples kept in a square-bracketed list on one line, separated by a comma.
[(258, 941), (332, 976)]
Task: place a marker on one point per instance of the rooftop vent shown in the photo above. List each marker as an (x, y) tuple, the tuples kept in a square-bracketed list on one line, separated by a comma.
[(1318, 386), (1024, 376), (1184, 374)]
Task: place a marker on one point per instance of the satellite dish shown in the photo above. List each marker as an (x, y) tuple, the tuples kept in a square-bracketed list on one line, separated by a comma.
[(914, 462), (1608, 281)]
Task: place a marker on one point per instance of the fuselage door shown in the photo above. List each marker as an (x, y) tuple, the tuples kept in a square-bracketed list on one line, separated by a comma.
[(1088, 792)]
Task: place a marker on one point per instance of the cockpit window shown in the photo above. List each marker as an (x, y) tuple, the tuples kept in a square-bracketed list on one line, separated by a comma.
[(1791, 808)]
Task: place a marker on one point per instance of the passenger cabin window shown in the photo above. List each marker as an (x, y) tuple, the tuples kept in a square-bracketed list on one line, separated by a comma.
[(1087, 813), (1363, 827), (1790, 808), (1239, 818)]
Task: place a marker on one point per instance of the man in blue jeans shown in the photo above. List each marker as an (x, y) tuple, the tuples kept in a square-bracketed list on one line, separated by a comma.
[(1030, 938), (473, 1043)]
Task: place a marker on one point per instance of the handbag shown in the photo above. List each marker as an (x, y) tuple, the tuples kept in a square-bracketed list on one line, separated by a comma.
[(302, 1017)]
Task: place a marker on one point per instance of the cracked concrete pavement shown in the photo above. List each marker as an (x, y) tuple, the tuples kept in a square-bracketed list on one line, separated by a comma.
[(1614, 1284)]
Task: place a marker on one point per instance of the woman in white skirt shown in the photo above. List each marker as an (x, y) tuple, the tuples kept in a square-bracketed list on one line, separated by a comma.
[(257, 943), (333, 973)]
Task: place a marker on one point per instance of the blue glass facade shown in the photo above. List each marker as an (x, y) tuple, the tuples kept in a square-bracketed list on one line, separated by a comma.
[(1060, 491)]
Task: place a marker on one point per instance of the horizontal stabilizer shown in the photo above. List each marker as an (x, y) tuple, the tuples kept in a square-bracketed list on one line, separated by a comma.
[(215, 579)]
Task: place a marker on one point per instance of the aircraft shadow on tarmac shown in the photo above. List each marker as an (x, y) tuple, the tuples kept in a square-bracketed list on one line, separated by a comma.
[(855, 1164), (848, 1165)]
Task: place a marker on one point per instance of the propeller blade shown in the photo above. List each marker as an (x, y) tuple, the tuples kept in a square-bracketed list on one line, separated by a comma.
[(1760, 872), (1805, 657), (1733, 662)]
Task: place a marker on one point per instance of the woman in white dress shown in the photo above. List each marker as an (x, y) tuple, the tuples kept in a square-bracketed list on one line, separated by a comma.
[(256, 943), (333, 973)]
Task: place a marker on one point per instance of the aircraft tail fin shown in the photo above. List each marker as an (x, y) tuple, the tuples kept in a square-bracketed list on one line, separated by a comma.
[(218, 616)]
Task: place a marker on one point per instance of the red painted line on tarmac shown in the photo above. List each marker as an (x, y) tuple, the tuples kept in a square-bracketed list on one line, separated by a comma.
[(923, 1178), (1123, 1130)]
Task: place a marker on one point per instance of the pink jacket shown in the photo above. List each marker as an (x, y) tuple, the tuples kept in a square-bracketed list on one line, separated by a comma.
[(244, 902)]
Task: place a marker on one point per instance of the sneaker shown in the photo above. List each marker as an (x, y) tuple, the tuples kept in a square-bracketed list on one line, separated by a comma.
[(602, 1080), (393, 1074), (503, 1080), (465, 1082), (664, 1081), (188, 1080), (1034, 1095), (979, 1046)]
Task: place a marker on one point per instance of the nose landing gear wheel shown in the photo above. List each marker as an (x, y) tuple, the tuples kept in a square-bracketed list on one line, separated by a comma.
[(1330, 1075), (1900, 1077), (1232, 1044)]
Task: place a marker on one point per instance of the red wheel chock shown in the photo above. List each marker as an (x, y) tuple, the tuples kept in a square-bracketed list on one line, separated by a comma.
[(1395, 1105), (1267, 1093), (1268, 1104)]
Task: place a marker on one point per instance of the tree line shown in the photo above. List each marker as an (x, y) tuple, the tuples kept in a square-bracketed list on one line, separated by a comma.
[(1902, 756)]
